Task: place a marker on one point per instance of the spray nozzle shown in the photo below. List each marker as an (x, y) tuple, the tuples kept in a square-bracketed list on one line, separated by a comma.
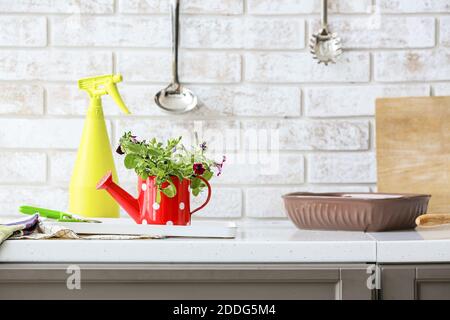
[(101, 85)]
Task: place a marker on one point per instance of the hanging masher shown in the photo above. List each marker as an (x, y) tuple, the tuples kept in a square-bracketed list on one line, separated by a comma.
[(324, 45)]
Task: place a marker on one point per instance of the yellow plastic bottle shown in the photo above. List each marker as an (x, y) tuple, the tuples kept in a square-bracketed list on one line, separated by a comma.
[(94, 156)]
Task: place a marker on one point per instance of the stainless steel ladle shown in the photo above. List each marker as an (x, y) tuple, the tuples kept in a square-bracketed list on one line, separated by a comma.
[(175, 98), (324, 45)]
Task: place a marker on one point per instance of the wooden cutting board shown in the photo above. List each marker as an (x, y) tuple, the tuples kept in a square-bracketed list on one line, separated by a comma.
[(413, 148)]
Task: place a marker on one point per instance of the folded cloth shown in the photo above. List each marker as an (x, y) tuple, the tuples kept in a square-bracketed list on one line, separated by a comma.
[(19, 228), (34, 228)]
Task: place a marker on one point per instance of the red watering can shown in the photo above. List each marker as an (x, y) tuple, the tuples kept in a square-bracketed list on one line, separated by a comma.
[(146, 210)]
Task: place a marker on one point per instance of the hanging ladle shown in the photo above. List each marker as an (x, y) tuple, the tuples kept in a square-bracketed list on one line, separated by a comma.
[(175, 98), (324, 45)]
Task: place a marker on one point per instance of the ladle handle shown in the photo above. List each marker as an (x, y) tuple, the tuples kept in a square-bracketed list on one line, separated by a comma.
[(175, 19), (324, 13)]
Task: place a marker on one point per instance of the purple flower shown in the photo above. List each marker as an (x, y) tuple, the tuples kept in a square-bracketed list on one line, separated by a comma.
[(119, 150), (219, 166), (203, 146), (133, 139), (198, 169)]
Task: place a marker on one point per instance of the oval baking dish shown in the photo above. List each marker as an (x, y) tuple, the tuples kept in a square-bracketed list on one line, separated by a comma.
[(355, 211)]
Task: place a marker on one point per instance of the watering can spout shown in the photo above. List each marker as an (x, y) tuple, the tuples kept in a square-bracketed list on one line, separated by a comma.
[(123, 198)]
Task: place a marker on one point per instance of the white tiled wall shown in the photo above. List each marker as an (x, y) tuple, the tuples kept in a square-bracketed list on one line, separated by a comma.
[(249, 64)]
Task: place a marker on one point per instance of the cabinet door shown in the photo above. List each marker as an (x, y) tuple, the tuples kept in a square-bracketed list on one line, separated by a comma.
[(419, 282), (397, 282), (355, 284), (207, 281), (433, 282)]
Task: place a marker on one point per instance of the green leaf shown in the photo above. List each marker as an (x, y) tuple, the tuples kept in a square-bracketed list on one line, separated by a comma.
[(130, 161), (158, 196), (153, 152), (170, 190), (207, 175), (133, 147), (195, 183), (195, 192)]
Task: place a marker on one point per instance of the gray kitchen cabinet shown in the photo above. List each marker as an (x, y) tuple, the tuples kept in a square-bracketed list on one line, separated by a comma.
[(415, 282), (224, 281), (190, 281)]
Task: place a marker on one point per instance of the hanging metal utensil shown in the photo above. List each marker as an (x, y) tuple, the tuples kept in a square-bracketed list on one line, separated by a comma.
[(324, 45), (175, 98)]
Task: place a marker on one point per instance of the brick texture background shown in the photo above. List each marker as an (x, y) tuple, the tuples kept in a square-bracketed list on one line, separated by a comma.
[(248, 62)]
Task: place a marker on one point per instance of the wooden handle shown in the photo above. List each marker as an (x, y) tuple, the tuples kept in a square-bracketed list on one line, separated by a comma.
[(433, 219)]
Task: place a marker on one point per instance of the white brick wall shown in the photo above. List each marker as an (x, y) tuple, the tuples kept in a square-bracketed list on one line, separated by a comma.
[(342, 168), (410, 32), (201, 67), (417, 6), (358, 100), (228, 7), (114, 31), (297, 67), (445, 31), (316, 135), (306, 6), (23, 31), (248, 62), (23, 167), (52, 64), (412, 65), (21, 99), (248, 33), (57, 6)]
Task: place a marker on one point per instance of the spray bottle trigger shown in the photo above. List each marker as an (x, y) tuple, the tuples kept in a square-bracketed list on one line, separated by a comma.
[(112, 91), (101, 85)]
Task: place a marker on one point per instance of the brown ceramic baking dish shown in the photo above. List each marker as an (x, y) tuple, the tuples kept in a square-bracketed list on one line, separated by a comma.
[(355, 211)]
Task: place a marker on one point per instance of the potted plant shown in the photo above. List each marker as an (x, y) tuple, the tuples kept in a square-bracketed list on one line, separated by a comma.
[(167, 175)]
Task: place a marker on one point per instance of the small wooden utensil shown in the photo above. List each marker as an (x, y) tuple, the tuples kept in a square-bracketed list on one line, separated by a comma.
[(433, 219)]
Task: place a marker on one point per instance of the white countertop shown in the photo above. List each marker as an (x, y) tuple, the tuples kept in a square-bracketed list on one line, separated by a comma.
[(256, 242), (423, 246)]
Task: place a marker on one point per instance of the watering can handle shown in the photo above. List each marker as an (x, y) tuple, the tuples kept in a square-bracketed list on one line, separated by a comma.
[(207, 198)]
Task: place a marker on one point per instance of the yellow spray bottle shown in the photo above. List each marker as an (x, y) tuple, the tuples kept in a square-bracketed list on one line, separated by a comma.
[(94, 156)]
